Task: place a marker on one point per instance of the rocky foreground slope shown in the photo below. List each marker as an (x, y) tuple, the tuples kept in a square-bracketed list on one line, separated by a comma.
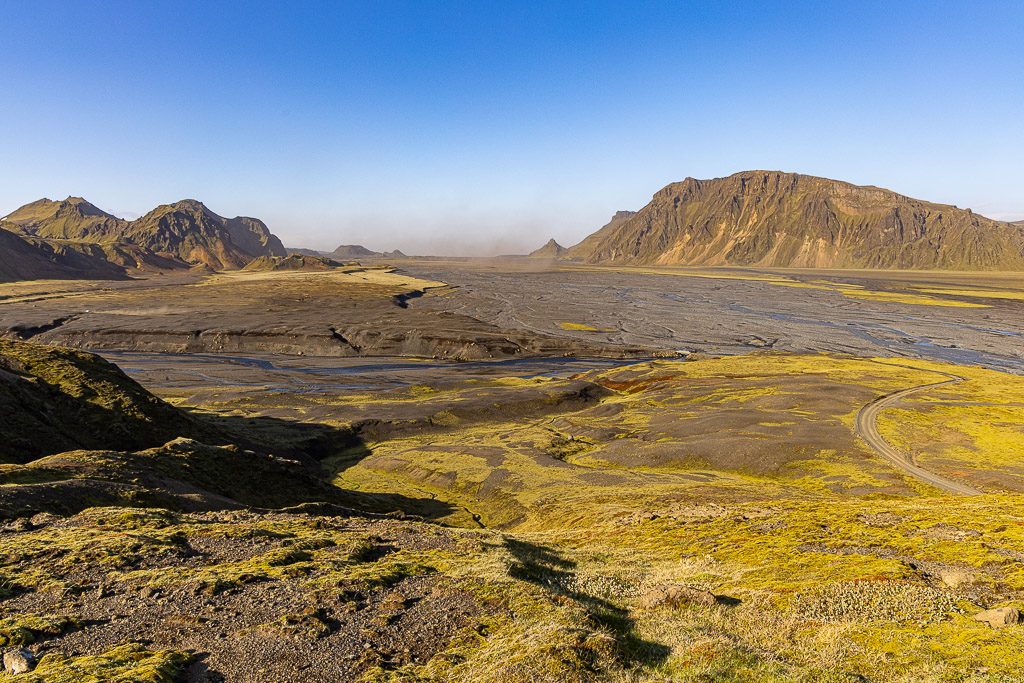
[(193, 562), (775, 219)]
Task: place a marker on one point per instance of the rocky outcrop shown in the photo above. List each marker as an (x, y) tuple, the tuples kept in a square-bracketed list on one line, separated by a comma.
[(677, 596), (999, 617), (550, 250), (775, 219)]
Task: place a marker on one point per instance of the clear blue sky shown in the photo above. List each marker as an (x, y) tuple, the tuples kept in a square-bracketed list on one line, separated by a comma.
[(443, 127)]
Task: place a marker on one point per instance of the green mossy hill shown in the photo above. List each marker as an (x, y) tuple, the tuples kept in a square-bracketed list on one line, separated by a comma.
[(55, 399), (71, 219), (307, 597), (186, 230), (775, 219), (291, 262)]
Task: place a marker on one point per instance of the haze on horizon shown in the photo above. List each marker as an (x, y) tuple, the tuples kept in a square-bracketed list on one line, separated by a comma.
[(470, 128)]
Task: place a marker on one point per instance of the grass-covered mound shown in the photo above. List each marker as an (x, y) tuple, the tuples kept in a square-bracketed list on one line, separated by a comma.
[(55, 399), (291, 262), (182, 474)]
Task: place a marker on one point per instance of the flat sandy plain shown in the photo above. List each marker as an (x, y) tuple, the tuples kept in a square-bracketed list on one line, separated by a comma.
[(720, 428)]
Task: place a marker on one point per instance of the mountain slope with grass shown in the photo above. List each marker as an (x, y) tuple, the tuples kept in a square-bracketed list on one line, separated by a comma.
[(56, 400), (23, 257), (776, 219), (193, 562), (186, 232)]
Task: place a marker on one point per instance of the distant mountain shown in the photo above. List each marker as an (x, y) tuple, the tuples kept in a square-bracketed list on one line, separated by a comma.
[(585, 249), (775, 219), (352, 251), (550, 250), (193, 233), (187, 231), (306, 252)]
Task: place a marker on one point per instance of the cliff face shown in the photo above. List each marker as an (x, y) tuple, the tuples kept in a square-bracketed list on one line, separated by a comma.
[(774, 219), (585, 249), (252, 236)]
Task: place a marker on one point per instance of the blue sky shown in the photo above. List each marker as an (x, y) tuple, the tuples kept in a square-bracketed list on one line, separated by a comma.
[(487, 127)]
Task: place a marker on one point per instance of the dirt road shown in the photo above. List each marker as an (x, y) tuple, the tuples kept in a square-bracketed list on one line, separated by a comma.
[(867, 428)]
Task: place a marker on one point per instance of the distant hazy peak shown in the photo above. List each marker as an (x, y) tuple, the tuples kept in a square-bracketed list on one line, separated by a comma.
[(352, 251), (551, 249)]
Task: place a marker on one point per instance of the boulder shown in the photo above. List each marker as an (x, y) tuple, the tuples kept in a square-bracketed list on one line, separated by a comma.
[(676, 596), (999, 617), (19, 661), (956, 577)]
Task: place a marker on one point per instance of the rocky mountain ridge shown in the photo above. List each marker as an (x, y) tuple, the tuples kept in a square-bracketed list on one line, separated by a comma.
[(171, 235), (776, 219)]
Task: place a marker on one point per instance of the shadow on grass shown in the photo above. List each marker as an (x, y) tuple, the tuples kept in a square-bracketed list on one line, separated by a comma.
[(199, 475), (310, 443), (544, 567)]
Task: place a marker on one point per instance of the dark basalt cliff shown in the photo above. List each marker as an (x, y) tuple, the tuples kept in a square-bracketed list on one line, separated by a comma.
[(775, 219)]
